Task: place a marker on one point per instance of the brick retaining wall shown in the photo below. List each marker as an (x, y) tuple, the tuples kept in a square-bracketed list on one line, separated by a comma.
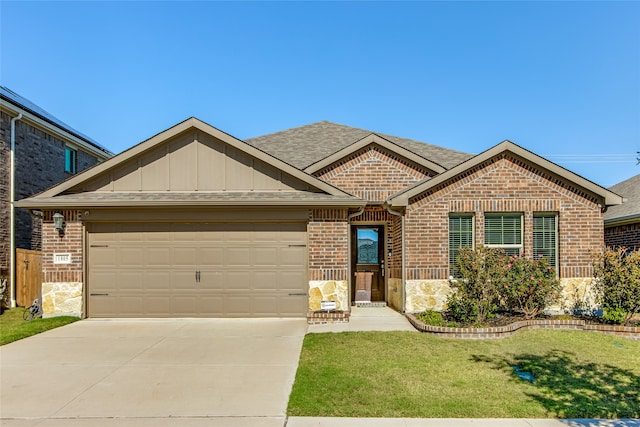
[(510, 330)]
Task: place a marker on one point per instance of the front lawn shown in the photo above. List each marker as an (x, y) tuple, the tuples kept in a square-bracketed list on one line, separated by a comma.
[(13, 327), (402, 374)]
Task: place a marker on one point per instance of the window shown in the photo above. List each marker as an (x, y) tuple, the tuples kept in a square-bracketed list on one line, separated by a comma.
[(545, 237), (504, 231), (70, 160), (367, 245), (460, 236)]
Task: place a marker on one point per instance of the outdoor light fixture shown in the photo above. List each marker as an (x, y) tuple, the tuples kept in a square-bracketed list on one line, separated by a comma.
[(58, 222)]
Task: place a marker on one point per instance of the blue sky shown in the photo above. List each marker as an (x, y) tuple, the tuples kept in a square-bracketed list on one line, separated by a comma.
[(561, 79)]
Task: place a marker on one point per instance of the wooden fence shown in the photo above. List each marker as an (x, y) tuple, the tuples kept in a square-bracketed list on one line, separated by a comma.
[(28, 276)]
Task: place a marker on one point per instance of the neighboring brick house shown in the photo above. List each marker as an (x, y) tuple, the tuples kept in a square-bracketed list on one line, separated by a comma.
[(194, 222), (622, 222), (47, 151)]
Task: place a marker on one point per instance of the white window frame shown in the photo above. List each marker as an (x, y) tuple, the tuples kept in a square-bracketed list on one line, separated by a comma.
[(508, 246)]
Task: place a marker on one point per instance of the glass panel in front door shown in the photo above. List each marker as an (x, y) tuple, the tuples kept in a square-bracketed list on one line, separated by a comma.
[(367, 246)]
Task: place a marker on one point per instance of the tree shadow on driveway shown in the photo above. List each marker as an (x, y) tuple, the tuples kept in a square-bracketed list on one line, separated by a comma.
[(568, 388)]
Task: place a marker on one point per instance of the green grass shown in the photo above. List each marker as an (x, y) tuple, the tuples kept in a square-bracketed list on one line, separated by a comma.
[(402, 374), (13, 328)]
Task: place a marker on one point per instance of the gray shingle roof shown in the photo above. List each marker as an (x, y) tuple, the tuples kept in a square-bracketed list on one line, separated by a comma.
[(630, 190), (305, 145), (24, 103), (196, 198)]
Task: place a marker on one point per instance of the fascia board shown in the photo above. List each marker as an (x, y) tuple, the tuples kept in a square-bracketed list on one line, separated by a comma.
[(609, 197), (33, 203), (56, 131), (373, 139), (629, 219)]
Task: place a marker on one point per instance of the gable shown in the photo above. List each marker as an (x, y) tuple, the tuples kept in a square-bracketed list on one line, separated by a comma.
[(191, 164), (537, 169), (193, 161), (495, 184), (373, 173)]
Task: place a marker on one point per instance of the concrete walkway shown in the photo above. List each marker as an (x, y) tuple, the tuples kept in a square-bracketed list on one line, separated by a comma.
[(368, 319)]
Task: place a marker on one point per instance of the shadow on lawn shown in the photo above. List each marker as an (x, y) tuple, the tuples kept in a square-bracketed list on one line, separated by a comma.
[(569, 389)]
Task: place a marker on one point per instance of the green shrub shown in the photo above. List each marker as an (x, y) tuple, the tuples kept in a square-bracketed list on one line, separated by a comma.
[(433, 318), (475, 295), (617, 284), (529, 285)]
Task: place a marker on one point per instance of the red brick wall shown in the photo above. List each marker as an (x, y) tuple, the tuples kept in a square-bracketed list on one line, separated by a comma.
[(627, 235), (69, 242), (502, 184), (328, 231), (373, 173)]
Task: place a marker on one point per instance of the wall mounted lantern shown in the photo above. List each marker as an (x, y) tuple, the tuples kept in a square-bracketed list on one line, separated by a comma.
[(58, 222)]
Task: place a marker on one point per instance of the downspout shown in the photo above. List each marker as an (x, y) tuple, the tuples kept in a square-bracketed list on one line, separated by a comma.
[(404, 265), (12, 231), (359, 212)]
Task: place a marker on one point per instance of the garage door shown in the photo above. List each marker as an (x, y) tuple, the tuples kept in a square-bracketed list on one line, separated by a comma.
[(197, 270)]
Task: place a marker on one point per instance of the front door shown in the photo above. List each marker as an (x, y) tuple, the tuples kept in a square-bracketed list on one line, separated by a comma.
[(367, 262)]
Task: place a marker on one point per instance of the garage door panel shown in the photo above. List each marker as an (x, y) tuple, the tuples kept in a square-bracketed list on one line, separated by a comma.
[(238, 305), (237, 256), (265, 256), (184, 256), (293, 256), (205, 270), (130, 256), (265, 280), (210, 256), (289, 281)]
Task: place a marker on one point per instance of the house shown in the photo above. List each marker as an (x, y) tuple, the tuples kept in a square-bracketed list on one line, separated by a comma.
[(622, 222), (196, 223), (45, 151)]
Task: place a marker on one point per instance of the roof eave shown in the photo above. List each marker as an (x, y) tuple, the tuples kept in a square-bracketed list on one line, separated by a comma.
[(75, 204)]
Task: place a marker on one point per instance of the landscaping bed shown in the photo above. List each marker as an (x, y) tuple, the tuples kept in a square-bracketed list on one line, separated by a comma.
[(504, 325)]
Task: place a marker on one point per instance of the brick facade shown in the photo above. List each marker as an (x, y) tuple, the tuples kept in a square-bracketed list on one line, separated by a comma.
[(373, 173), (39, 164), (68, 242), (328, 236), (627, 235), (502, 184)]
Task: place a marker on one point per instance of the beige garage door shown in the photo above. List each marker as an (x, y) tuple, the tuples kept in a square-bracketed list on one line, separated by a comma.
[(197, 270)]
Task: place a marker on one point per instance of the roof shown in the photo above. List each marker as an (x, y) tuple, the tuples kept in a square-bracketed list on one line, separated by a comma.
[(402, 198), (69, 193), (306, 145), (22, 102), (189, 199), (630, 209)]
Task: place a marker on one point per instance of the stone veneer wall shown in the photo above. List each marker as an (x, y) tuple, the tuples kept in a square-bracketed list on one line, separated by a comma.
[(576, 296), (62, 284)]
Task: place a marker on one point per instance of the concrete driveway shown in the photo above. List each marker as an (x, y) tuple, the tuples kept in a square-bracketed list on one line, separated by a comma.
[(165, 372)]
